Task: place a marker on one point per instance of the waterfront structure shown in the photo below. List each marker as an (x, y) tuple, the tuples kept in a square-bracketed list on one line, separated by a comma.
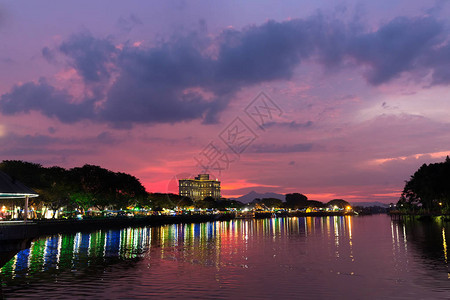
[(199, 188), (11, 188)]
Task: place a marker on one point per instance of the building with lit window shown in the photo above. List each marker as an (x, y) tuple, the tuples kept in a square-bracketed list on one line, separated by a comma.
[(199, 188)]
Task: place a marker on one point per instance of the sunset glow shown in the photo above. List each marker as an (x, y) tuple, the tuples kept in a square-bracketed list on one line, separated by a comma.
[(164, 89)]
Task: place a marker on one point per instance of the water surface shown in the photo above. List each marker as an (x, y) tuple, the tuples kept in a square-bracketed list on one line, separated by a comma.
[(322, 257)]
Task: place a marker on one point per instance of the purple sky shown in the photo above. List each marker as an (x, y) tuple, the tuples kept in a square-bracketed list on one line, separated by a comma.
[(357, 91)]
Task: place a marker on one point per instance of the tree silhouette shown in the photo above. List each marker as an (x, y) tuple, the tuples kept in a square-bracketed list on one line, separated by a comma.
[(81, 187), (296, 201), (428, 188), (338, 202)]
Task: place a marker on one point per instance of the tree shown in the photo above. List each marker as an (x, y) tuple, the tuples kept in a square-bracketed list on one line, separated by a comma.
[(97, 183), (106, 188), (58, 189), (49, 183), (224, 203), (272, 202), (340, 203), (128, 191), (296, 201), (158, 201), (82, 187), (30, 174), (428, 187), (315, 203), (208, 202)]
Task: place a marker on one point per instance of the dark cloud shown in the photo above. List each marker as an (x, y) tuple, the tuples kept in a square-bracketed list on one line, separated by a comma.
[(46, 99), (276, 148), (7, 60), (440, 61), (189, 140), (202, 26), (35, 140), (51, 130), (180, 80), (3, 15), (289, 125), (106, 138), (24, 145), (89, 56), (396, 47), (128, 23), (27, 151), (161, 84), (48, 54), (262, 53), (39, 144)]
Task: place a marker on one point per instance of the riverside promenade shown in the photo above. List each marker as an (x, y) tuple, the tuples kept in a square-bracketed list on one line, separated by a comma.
[(23, 230), (18, 235), (20, 230)]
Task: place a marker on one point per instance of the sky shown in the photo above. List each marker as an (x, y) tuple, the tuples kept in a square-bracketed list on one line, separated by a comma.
[(331, 99)]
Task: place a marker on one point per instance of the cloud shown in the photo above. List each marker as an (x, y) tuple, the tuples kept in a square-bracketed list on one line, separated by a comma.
[(164, 84), (3, 15), (25, 145), (90, 56), (38, 144), (181, 79), (27, 151), (106, 138), (35, 140), (440, 61), (128, 23), (7, 60), (48, 54), (262, 53), (395, 47), (290, 125), (276, 148), (51, 130), (46, 99)]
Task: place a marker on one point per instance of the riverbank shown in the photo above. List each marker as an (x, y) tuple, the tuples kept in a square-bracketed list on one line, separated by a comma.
[(17, 235), (18, 230), (71, 225), (396, 215)]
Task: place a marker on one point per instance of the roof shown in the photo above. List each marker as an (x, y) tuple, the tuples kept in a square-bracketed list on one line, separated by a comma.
[(11, 188)]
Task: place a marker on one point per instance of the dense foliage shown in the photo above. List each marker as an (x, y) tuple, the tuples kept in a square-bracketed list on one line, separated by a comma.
[(78, 188), (91, 186), (428, 189), (83, 188)]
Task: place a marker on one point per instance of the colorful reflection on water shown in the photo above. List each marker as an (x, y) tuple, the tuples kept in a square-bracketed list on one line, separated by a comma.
[(279, 257)]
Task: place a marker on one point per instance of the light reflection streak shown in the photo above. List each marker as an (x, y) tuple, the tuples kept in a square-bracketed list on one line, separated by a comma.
[(397, 236), (336, 235), (393, 239), (405, 241), (444, 244), (329, 227), (350, 241), (58, 257), (207, 242), (399, 246), (306, 228)]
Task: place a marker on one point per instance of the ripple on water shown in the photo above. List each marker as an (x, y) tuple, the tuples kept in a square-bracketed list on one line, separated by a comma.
[(327, 257)]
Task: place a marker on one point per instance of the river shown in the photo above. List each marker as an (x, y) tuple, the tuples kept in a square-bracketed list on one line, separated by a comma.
[(361, 257)]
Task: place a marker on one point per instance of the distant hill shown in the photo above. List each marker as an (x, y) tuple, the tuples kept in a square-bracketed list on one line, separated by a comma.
[(252, 195), (367, 204)]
